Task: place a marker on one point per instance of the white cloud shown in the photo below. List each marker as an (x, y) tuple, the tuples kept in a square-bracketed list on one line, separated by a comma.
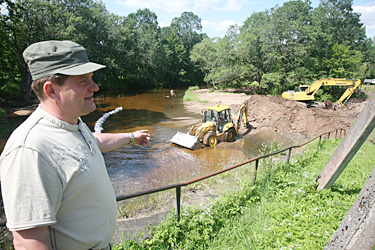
[(178, 6), (164, 24), (212, 10), (200, 5), (221, 27), (367, 16), (230, 5)]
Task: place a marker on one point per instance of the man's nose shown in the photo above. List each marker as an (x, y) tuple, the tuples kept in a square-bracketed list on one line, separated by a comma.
[(93, 86)]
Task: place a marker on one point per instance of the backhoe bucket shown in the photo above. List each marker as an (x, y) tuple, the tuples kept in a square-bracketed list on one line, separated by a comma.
[(186, 140)]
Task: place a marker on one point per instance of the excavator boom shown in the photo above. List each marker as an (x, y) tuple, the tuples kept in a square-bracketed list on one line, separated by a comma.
[(307, 92), (348, 93)]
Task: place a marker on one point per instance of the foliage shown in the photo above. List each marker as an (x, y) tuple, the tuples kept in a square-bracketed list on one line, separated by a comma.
[(278, 49), (282, 211), (290, 45), (134, 48), (344, 62), (3, 113)]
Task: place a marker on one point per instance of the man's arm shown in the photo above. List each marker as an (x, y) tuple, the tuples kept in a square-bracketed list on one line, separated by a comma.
[(30, 239), (111, 141)]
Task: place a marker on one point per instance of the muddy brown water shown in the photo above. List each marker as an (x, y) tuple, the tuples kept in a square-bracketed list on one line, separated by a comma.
[(137, 168)]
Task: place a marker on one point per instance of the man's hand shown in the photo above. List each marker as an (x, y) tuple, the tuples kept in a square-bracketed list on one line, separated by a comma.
[(142, 137)]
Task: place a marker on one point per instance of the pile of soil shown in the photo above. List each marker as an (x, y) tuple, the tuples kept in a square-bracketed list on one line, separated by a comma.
[(290, 118), (295, 118)]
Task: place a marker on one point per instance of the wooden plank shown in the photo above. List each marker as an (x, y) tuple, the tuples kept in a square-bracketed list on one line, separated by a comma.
[(349, 146)]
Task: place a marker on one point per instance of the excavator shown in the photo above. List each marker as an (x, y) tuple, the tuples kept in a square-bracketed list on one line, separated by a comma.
[(217, 125), (306, 92)]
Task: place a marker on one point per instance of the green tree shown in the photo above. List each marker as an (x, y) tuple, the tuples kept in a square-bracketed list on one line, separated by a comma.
[(29, 21), (369, 59), (287, 40), (147, 56), (186, 27), (176, 60), (335, 22), (204, 56), (344, 63), (9, 75), (251, 44), (336, 17)]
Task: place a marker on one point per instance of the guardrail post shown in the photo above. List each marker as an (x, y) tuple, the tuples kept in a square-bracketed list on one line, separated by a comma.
[(344, 132), (329, 134), (336, 134), (288, 158), (255, 171), (178, 202), (320, 139)]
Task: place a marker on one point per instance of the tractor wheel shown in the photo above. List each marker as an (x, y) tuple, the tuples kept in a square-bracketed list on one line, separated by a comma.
[(210, 139), (230, 135)]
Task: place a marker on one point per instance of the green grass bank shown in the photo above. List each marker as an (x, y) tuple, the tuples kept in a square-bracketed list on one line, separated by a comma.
[(283, 210)]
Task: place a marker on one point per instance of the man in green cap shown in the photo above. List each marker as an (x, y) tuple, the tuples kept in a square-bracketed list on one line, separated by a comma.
[(55, 187)]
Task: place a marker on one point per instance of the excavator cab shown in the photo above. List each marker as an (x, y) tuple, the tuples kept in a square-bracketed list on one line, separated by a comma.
[(302, 88)]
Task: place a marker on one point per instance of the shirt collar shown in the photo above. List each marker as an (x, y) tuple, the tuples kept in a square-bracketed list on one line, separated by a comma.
[(58, 122)]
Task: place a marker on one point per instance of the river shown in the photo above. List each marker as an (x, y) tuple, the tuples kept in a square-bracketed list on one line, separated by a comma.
[(136, 168)]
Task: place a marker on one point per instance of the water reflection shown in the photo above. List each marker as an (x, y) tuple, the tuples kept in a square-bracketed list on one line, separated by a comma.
[(136, 168)]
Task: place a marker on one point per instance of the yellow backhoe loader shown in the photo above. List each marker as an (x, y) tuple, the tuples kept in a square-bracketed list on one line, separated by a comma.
[(217, 125), (306, 92)]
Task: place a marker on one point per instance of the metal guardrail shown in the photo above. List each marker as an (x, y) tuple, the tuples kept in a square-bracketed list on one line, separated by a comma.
[(178, 186)]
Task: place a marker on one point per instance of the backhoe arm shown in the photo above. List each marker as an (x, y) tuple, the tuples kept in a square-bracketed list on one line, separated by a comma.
[(242, 113), (349, 92)]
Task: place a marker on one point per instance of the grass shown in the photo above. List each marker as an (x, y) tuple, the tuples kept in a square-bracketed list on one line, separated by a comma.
[(191, 96), (282, 211), (367, 88)]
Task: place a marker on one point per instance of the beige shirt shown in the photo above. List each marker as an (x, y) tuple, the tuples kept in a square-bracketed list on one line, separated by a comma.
[(53, 173)]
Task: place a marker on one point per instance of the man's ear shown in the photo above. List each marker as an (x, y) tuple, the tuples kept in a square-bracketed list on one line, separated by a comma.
[(49, 89)]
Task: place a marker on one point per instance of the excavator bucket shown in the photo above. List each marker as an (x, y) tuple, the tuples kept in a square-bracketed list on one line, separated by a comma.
[(186, 140)]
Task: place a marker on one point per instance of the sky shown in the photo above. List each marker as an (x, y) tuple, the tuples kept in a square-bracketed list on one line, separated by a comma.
[(217, 15)]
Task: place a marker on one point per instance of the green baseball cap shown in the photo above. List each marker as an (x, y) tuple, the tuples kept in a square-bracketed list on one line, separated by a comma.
[(48, 58)]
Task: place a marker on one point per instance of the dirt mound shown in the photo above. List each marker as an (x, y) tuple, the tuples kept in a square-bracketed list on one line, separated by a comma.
[(295, 119), (291, 118)]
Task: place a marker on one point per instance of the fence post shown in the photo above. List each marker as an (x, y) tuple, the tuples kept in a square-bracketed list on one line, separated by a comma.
[(288, 158), (178, 202), (336, 134), (329, 134), (320, 138), (255, 171)]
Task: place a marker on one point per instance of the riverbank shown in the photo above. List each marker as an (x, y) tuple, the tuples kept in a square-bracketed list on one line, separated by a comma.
[(282, 211), (290, 118)]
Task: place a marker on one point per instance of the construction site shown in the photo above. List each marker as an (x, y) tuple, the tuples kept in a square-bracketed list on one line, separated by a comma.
[(291, 118)]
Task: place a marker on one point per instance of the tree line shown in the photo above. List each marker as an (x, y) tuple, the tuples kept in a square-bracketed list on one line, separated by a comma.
[(281, 48), (137, 52), (272, 51)]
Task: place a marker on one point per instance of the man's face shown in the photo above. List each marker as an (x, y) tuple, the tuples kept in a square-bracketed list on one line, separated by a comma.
[(76, 96)]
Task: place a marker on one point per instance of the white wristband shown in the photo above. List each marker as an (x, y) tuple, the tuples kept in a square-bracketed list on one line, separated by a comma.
[(132, 139)]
